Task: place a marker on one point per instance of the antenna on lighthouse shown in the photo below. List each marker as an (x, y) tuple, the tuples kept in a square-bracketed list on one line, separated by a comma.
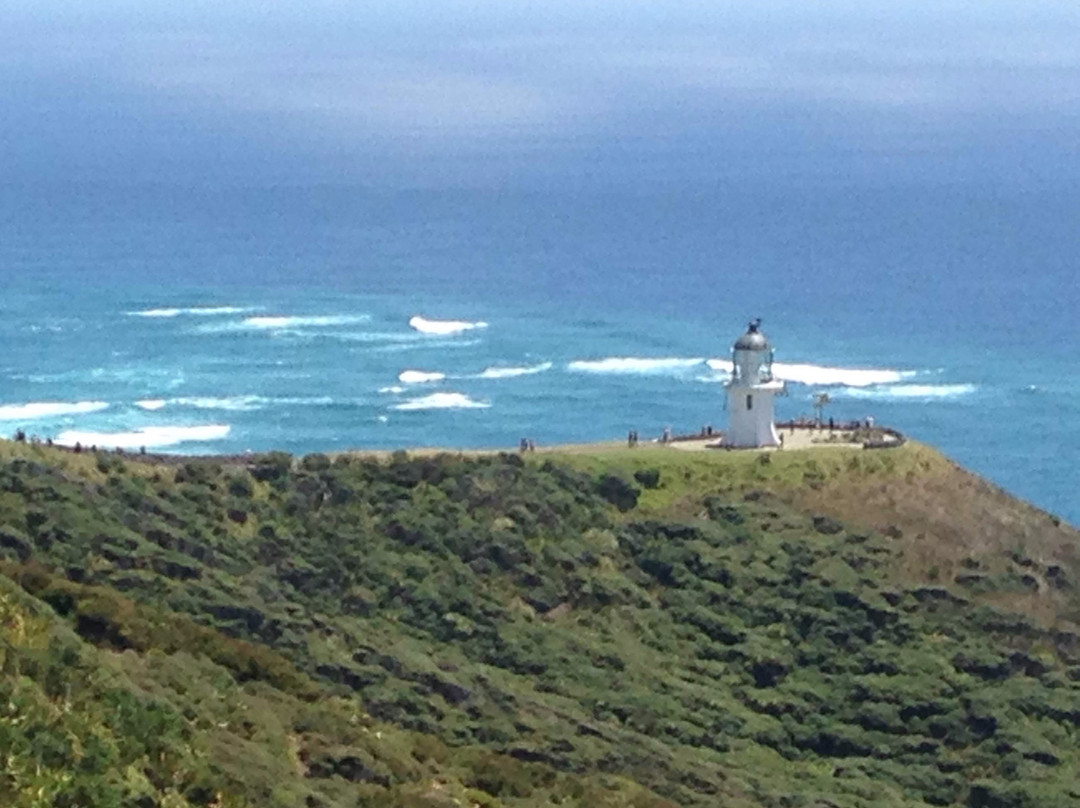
[(820, 400)]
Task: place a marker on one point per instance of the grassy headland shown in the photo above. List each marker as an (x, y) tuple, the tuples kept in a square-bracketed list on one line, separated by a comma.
[(595, 627)]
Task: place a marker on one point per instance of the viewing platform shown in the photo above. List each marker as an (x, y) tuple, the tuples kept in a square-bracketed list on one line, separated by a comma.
[(804, 435)]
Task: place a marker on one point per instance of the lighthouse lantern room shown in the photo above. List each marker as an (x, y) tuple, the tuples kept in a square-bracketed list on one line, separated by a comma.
[(751, 391)]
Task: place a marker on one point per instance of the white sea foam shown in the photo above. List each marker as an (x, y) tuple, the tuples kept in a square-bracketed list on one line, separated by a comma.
[(319, 321), (420, 376), (848, 377), (510, 372), (634, 365), (230, 403), (37, 410), (423, 342), (150, 437), (442, 327), (397, 388), (823, 375), (379, 336), (278, 324), (442, 401), (316, 401), (910, 391), (197, 311), (234, 403), (155, 313)]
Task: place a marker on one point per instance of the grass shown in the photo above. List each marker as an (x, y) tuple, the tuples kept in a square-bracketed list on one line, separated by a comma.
[(685, 476), (940, 515)]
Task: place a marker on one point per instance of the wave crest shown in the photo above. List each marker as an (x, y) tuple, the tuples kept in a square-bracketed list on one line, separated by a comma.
[(824, 375), (420, 376), (278, 323), (442, 327), (316, 321), (37, 410), (633, 364), (848, 377), (510, 372), (150, 437), (197, 311), (442, 401), (911, 391), (248, 403)]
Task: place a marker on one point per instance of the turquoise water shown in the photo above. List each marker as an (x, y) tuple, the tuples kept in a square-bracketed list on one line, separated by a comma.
[(305, 319)]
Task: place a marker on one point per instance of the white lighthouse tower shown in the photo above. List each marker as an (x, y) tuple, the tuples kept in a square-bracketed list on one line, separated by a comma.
[(751, 391)]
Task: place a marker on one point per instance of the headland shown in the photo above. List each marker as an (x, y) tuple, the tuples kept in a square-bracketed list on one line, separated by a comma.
[(589, 625)]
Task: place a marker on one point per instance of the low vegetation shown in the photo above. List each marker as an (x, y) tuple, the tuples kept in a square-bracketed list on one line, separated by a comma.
[(605, 628)]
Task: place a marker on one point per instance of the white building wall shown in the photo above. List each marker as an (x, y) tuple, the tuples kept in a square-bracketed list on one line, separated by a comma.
[(753, 425)]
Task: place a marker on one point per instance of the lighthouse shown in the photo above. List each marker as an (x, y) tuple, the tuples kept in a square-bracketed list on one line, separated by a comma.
[(750, 392)]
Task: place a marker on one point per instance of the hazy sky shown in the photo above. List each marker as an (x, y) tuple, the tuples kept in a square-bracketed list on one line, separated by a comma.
[(501, 91)]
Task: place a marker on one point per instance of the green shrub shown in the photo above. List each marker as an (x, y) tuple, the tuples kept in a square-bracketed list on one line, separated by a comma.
[(618, 492), (649, 478)]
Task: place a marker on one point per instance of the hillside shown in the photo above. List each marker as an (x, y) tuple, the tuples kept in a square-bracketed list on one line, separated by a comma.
[(593, 627)]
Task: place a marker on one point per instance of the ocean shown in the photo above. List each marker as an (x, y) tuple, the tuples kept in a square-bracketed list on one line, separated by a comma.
[(201, 320)]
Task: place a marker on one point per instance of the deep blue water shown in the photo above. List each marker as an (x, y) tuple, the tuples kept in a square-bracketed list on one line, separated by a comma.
[(196, 320)]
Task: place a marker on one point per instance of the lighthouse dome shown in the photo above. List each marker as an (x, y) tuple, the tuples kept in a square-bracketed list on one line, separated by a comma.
[(753, 339)]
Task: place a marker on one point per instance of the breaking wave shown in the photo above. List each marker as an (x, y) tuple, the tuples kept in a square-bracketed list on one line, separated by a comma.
[(442, 327), (510, 372), (423, 342), (378, 337), (277, 323), (48, 409), (232, 404), (493, 372), (633, 364), (911, 391), (848, 377), (442, 401), (320, 321), (229, 404), (420, 376), (150, 437), (197, 311), (824, 375)]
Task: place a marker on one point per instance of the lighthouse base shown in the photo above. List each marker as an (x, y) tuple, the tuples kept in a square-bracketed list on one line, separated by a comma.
[(751, 421), (752, 439)]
